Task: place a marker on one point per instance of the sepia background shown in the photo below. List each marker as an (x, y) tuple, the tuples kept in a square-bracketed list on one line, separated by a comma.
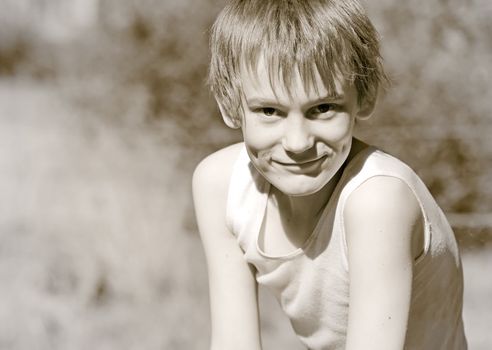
[(104, 114)]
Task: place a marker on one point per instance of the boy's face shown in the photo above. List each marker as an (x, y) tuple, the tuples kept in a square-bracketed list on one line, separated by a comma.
[(297, 141)]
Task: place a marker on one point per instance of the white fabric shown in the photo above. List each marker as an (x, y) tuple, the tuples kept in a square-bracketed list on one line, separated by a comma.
[(312, 282)]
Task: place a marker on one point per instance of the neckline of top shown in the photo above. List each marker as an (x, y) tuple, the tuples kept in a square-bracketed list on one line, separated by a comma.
[(305, 246)]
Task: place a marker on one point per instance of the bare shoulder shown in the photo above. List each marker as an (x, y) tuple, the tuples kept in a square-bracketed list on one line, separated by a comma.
[(383, 215), (211, 180), (383, 198), (213, 173)]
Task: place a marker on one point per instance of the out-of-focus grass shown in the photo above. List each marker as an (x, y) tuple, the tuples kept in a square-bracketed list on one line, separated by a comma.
[(93, 253), (477, 266)]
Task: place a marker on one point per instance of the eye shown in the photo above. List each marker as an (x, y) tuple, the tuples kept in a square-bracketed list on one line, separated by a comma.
[(324, 108), (268, 111), (324, 111)]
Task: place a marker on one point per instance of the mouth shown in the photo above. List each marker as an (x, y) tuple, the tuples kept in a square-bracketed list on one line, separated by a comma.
[(305, 166)]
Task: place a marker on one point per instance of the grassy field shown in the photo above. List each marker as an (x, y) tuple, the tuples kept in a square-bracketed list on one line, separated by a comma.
[(93, 253), (98, 249)]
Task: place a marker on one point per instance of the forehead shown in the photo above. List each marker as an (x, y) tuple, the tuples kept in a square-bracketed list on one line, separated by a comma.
[(260, 79)]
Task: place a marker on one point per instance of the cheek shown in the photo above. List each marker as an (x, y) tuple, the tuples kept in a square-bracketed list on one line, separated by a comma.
[(338, 130), (260, 138)]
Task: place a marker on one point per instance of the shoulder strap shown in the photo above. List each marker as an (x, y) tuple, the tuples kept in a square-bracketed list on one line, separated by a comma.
[(246, 200), (372, 162)]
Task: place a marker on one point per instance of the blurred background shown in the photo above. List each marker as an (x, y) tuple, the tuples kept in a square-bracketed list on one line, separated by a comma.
[(104, 114)]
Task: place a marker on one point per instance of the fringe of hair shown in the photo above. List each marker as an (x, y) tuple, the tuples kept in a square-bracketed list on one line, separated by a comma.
[(334, 38)]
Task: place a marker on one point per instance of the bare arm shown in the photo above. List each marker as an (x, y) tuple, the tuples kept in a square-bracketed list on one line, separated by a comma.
[(380, 218), (233, 289)]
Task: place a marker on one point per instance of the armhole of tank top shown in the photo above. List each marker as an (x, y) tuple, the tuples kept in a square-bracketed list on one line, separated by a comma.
[(232, 201), (427, 224)]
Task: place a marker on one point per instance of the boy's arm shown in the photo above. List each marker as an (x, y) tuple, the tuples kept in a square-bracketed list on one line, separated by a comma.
[(380, 218), (232, 285)]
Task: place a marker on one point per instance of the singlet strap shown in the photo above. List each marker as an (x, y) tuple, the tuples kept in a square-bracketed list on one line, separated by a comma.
[(246, 199), (371, 163)]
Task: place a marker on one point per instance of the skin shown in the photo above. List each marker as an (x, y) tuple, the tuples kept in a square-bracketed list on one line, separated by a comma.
[(299, 142)]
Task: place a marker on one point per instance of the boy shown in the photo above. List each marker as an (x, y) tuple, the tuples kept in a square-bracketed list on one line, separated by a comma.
[(346, 237)]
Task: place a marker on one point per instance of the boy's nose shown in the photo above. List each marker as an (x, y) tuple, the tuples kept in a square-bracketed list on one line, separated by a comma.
[(297, 136)]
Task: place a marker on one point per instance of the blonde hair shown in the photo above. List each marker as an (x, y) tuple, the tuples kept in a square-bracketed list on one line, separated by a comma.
[(331, 37)]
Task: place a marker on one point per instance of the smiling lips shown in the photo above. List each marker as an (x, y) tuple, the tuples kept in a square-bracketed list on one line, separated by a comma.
[(303, 166)]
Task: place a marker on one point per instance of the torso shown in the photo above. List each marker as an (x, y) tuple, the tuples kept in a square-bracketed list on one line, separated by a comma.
[(309, 274)]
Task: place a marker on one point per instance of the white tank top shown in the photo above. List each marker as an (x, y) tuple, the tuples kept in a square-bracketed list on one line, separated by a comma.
[(312, 283)]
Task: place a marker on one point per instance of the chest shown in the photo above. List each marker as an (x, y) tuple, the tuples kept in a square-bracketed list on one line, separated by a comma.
[(281, 234)]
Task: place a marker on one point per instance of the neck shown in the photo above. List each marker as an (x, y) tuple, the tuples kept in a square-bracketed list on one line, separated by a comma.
[(309, 206)]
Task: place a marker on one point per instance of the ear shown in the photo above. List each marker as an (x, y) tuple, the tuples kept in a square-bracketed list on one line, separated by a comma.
[(230, 122), (366, 108)]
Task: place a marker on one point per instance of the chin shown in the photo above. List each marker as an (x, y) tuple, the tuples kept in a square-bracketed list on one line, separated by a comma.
[(303, 186)]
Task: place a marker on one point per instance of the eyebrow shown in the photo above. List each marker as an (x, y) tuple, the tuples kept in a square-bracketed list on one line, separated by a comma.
[(273, 102)]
